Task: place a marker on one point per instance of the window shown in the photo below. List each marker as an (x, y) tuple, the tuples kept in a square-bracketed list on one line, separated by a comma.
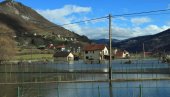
[(86, 52), (87, 57), (105, 52)]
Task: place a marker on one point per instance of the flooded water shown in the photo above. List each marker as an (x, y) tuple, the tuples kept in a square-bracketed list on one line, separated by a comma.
[(52, 72)]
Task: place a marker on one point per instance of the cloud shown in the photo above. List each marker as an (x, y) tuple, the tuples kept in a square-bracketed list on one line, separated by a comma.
[(60, 15), (96, 33), (65, 15), (140, 20), (122, 33), (99, 29)]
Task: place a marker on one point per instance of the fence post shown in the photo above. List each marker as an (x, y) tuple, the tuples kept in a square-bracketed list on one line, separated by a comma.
[(99, 91), (18, 91), (140, 87), (58, 90)]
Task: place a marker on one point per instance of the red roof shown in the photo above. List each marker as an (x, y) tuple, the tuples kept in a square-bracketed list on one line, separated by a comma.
[(93, 47), (60, 46), (119, 54)]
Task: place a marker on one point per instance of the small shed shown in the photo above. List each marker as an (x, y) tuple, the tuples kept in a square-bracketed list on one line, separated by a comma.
[(63, 56)]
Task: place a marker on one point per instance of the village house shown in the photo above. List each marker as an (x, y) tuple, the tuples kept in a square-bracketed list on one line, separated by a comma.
[(63, 56), (60, 48), (95, 53), (121, 53), (51, 46)]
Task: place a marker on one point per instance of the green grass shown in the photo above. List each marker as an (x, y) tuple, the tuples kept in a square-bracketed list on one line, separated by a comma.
[(34, 57)]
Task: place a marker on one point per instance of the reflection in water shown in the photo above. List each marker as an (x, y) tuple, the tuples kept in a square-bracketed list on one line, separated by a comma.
[(52, 72)]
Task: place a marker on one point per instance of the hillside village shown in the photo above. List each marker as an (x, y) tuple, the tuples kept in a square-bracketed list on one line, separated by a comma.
[(35, 39), (50, 38), (78, 48)]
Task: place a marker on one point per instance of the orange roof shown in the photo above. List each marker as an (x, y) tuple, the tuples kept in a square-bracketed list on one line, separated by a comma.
[(93, 47)]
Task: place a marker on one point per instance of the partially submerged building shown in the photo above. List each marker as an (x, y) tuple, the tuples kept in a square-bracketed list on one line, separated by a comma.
[(121, 53), (95, 53), (63, 56)]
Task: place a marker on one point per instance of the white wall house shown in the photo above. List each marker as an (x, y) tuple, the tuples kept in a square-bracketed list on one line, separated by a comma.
[(95, 53), (121, 53), (63, 56)]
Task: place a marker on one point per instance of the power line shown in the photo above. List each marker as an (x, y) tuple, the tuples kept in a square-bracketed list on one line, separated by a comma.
[(85, 20), (144, 12), (120, 15), (104, 17)]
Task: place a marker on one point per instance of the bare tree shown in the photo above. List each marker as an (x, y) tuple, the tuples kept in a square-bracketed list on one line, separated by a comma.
[(7, 48)]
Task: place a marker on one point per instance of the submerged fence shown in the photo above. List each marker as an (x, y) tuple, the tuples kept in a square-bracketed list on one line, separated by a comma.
[(149, 78)]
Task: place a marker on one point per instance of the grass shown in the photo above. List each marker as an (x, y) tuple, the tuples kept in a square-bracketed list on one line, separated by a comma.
[(34, 57)]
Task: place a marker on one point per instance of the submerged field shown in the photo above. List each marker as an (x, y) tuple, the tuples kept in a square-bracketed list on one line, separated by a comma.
[(85, 80)]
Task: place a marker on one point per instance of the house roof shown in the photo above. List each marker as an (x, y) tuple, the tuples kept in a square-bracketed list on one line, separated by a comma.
[(93, 47), (119, 53), (61, 54), (60, 46)]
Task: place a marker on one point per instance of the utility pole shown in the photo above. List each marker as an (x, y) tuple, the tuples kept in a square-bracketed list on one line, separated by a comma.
[(143, 50), (110, 55)]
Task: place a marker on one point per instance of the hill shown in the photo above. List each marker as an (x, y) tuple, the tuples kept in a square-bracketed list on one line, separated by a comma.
[(154, 43), (104, 41), (22, 22)]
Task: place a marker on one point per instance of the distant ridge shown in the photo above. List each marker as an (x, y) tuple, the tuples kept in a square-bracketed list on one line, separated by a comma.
[(154, 43), (104, 41)]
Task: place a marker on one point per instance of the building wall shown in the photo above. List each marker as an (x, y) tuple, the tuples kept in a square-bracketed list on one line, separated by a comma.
[(106, 52), (125, 54), (60, 59), (70, 57)]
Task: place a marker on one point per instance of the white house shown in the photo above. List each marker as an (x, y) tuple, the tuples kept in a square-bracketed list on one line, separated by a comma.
[(121, 53), (95, 53), (63, 56)]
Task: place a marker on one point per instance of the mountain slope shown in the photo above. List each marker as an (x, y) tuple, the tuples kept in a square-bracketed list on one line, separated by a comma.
[(157, 42), (104, 41), (19, 20)]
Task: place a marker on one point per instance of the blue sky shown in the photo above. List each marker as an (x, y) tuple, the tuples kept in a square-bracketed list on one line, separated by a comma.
[(67, 11)]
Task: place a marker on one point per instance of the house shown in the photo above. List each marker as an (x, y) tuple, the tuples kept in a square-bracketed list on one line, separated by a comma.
[(51, 46), (148, 54), (60, 48), (95, 53), (121, 53), (63, 56)]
